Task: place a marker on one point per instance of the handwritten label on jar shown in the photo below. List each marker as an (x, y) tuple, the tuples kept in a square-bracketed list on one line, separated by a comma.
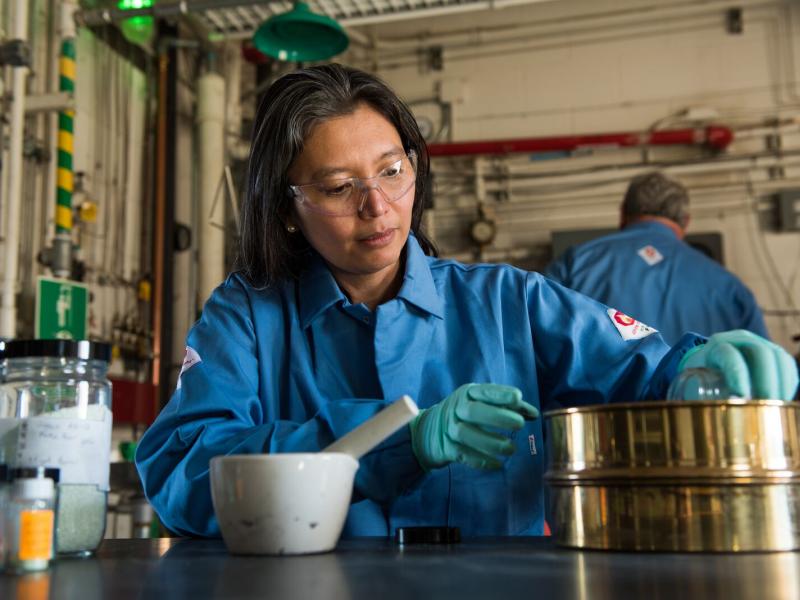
[(81, 448)]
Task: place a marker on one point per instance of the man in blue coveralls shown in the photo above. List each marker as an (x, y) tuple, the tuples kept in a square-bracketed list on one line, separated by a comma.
[(647, 271)]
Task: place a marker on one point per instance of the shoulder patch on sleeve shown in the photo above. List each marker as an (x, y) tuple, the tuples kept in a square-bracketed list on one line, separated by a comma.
[(189, 360), (650, 255), (628, 327)]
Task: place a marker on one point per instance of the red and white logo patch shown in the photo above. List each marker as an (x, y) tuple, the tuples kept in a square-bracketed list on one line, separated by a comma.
[(650, 255), (189, 360), (628, 327)]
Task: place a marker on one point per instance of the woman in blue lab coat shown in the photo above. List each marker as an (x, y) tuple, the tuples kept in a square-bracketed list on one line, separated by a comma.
[(339, 306)]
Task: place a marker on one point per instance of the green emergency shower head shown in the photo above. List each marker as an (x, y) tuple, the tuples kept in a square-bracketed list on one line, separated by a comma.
[(300, 35)]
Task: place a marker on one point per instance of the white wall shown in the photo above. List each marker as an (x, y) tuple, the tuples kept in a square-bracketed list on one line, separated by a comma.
[(570, 67)]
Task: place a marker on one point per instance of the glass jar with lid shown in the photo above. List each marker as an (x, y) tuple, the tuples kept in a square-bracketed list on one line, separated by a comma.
[(55, 410)]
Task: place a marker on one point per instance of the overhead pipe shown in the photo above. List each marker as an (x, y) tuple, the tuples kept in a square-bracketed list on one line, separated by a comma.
[(713, 136), (530, 170), (8, 307), (534, 185), (624, 174)]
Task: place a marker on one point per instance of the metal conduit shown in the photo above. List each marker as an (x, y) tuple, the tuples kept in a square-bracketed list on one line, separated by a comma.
[(713, 136), (62, 244)]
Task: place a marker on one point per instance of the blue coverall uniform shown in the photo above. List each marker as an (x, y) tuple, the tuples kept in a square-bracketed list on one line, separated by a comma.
[(295, 366), (645, 271)]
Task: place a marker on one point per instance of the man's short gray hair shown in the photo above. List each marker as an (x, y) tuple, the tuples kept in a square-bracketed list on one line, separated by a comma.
[(656, 195)]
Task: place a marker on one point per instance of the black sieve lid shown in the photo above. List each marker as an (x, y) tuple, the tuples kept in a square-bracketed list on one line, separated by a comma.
[(427, 535), (82, 349)]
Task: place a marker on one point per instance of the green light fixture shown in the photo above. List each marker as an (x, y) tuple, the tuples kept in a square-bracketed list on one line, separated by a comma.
[(137, 30), (300, 35)]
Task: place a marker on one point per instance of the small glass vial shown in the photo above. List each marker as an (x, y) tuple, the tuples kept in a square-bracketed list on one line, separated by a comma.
[(30, 520), (699, 384)]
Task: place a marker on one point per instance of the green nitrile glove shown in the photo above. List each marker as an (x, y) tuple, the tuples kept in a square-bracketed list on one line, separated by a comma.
[(753, 367), (456, 429)]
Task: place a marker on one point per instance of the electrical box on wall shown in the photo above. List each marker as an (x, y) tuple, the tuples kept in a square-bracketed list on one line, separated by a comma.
[(788, 209)]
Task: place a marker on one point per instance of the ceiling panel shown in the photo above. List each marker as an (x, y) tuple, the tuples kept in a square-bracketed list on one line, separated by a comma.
[(240, 18)]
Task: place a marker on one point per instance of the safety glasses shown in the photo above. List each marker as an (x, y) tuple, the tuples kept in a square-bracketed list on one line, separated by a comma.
[(341, 197)]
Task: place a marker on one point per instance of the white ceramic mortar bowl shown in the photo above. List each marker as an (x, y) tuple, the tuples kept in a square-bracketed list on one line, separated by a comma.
[(282, 503)]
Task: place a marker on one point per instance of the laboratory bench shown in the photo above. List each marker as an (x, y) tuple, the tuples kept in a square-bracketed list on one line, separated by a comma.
[(379, 569)]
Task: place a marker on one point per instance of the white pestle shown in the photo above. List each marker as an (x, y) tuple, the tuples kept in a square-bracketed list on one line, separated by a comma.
[(376, 429)]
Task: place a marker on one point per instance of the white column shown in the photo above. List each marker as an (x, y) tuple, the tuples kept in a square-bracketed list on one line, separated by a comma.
[(8, 308), (211, 134)]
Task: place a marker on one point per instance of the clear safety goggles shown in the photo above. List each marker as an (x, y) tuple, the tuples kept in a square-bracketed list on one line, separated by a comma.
[(340, 197)]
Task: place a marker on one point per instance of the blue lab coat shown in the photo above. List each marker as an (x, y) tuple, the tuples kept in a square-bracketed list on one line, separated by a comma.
[(294, 367), (645, 271)]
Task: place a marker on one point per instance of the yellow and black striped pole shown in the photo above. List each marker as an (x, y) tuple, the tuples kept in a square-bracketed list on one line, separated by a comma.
[(65, 120)]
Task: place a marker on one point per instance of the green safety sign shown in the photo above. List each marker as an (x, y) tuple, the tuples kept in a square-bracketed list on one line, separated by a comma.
[(61, 309)]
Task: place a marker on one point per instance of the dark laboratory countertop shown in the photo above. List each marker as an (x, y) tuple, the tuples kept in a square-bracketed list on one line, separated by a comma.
[(519, 568)]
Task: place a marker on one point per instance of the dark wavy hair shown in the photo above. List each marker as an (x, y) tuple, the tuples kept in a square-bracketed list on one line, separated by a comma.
[(289, 110)]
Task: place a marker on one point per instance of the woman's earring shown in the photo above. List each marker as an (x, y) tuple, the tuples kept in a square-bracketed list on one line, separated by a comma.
[(291, 228)]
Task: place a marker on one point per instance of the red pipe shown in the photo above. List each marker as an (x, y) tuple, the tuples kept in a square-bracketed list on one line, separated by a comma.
[(713, 136)]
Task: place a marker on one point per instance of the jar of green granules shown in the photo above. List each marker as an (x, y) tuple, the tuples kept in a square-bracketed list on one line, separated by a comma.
[(57, 403)]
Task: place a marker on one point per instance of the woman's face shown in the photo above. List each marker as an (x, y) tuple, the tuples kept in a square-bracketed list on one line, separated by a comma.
[(362, 144)]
